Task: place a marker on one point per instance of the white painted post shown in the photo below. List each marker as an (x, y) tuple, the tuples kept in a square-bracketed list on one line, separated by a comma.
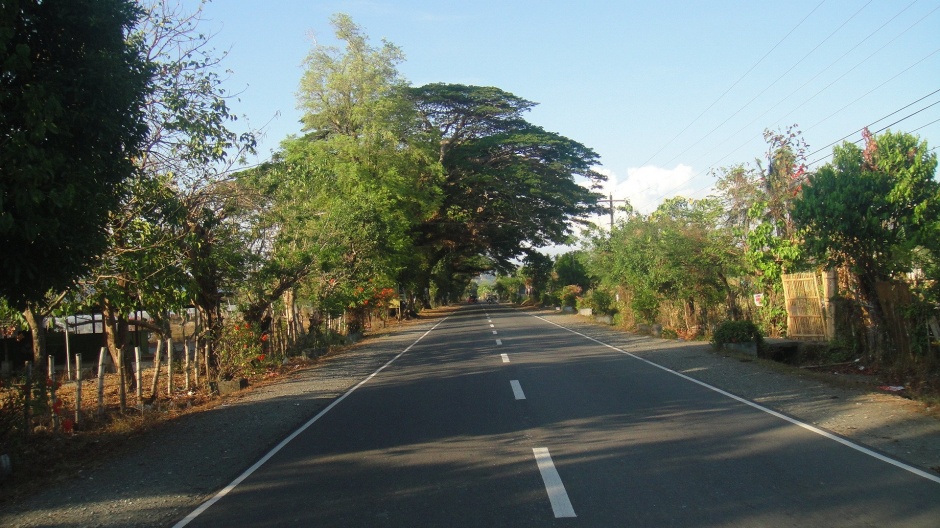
[(101, 382), (52, 396), (140, 386), (68, 355), (169, 366), (78, 388), (186, 362)]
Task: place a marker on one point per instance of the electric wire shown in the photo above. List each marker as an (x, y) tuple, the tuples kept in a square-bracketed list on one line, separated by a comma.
[(843, 138), (931, 54), (794, 92), (741, 78), (860, 42), (775, 81), (699, 173)]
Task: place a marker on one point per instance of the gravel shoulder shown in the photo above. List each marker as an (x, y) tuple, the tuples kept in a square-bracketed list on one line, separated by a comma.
[(160, 476)]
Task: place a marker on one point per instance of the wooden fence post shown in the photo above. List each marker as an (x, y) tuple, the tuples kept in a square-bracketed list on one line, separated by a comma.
[(29, 393)]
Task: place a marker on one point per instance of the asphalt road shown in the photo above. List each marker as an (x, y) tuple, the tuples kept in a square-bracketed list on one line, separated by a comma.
[(498, 418)]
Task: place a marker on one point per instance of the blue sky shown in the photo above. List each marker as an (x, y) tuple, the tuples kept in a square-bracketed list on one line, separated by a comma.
[(664, 91)]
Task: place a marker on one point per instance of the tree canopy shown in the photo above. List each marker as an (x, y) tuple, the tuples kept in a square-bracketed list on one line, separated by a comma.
[(71, 93)]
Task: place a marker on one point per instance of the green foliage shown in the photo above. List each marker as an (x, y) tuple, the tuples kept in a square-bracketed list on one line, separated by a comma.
[(734, 332), (681, 252), (550, 299), (537, 269), (600, 301), (570, 295), (875, 211), (871, 209), (569, 268), (508, 185), (71, 93)]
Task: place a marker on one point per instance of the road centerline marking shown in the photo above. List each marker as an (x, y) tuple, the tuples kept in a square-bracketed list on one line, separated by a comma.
[(517, 389), (499, 341), (494, 332), (557, 495), (505, 358), (492, 326)]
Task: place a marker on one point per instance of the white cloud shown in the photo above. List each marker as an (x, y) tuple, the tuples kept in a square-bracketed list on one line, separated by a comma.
[(647, 187)]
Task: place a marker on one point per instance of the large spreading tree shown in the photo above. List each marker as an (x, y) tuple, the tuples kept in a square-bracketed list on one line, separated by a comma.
[(509, 186)]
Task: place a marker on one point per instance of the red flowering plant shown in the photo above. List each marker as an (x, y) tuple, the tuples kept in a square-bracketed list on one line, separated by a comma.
[(240, 351), (366, 299)]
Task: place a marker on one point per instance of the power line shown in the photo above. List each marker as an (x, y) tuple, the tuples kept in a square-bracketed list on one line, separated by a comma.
[(756, 64), (882, 129), (860, 42), (821, 71), (931, 54), (843, 138), (775, 81), (699, 173)]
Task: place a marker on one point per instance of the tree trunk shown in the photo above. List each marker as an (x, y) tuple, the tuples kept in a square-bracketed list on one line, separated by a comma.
[(878, 340), (116, 330), (39, 334)]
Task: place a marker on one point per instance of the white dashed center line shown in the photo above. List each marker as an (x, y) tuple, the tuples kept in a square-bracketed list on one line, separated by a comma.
[(517, 390), (505, 358), (499, 341), (561, 505)]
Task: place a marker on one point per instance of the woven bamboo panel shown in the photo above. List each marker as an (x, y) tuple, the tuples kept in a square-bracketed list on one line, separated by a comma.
[(804, 307)]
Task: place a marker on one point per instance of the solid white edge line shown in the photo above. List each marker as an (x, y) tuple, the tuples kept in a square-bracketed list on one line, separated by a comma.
[(225, 491), (557, 495), (505, 358), (517, 389), (794, 421)]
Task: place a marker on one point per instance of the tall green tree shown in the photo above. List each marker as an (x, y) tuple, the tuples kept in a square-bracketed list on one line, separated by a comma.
[(343, 197), (870, 210), (569, 268), (71, 123)]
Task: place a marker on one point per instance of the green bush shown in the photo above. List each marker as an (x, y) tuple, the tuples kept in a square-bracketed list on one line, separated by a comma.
[(599, 301), (569, 295), (551, 299), (730, 332)]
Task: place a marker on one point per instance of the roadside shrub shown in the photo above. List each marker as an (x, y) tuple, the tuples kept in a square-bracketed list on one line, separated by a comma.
[(551, 299), (569, 295), (601, 302), (730, 332)]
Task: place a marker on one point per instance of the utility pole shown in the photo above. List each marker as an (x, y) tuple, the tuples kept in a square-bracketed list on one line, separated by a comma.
[(610, 200)]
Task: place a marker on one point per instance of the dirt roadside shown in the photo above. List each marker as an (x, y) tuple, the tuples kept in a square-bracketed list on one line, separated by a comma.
[(156, 478)]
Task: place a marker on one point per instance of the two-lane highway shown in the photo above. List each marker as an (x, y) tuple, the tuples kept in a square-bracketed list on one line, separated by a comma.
[(498, 418)]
